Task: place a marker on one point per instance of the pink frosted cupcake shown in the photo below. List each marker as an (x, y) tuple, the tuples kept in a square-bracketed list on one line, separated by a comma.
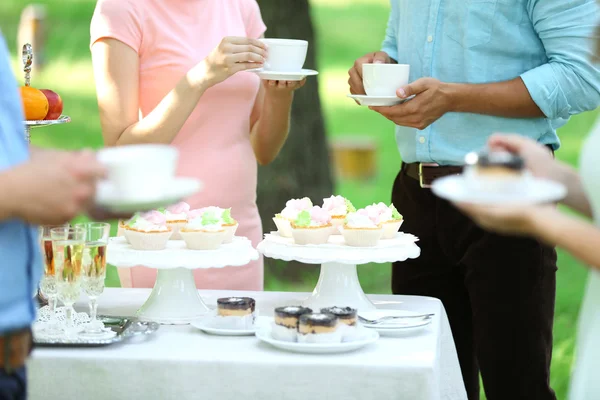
[(204, 231), (361, 229), (312, 227), (148, 231), (338, 207), (289, 214), (389, 218), (225, 219), (176, 215)]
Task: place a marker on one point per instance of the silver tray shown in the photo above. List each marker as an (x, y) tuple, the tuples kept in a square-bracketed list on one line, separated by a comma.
[(63, 119), (125, 327)]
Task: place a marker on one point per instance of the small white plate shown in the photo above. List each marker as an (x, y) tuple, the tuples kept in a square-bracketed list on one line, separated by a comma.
[(264, 334), (284, 76), (395, 328), (107, 196), (205, 326), (456, 189), (377, 101)]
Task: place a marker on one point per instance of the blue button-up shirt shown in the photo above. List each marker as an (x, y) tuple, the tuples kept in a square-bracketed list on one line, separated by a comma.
[(548, 43), (20, 256)]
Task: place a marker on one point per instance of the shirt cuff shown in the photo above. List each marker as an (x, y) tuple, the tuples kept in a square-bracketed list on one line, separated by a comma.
[(546, 92)]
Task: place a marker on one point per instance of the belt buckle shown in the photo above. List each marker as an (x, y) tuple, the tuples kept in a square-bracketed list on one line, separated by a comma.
[(426, 165)]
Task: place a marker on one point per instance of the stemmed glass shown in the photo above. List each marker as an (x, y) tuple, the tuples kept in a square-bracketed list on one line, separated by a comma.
[(94, 270), (48, 282), (67, 245)]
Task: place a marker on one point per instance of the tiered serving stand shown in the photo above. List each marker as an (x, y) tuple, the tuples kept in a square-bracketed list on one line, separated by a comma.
[(27, 63), (175, 299), (338, 283)]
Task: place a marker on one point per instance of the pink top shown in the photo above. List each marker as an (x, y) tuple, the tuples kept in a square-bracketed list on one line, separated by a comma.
[(171, 36)]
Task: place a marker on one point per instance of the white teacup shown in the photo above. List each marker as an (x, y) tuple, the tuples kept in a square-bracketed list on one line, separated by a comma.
[(140, 171), (384, 79), (285, 55)]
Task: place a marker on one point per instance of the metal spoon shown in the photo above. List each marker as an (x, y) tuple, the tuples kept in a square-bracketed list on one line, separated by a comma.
[(424, 317)]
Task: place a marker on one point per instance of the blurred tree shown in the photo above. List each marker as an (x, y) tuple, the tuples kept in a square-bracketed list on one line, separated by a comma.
[(303, 168)]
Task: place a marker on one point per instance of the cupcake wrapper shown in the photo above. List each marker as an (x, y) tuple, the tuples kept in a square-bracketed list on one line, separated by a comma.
[(147, 240), (121, 232), (175, 227), (230, 232), (284, 228), (337, 223), (311, 236), (391, 228), (234, 322), (333, 337), (284, 334), (362, 237), (200, 240)]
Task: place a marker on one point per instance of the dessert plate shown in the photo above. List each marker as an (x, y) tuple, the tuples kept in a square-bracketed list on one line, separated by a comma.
[(397, 327), (264, 335), (377, 101), (284, 76), (204, 324), (108, 197), (456, 189)]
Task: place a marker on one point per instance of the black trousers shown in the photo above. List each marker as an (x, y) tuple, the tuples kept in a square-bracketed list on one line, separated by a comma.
[(13, 386), (498, 292)]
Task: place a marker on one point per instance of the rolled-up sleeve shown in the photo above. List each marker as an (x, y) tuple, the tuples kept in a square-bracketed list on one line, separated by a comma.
[(389, 43), (569, 83)]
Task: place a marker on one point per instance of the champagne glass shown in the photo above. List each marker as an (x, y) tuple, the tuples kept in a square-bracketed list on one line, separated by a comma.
[(67, 245), (48, 282), (94, 270)]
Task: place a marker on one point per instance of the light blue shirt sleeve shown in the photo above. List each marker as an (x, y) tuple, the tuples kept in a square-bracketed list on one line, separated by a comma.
[(569, 83), (389, 44)]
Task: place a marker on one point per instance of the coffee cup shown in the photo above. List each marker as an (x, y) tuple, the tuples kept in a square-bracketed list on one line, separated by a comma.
[(384, 79), (140, 171), (285, 55)]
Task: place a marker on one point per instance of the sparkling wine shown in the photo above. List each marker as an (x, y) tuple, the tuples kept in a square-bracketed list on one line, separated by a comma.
[(68, 257), (94, 266), (48, 257)]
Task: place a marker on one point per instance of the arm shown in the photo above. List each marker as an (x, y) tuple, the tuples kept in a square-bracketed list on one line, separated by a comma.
[(576, 198)]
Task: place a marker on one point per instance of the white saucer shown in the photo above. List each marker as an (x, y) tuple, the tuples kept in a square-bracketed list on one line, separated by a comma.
[(456, 189), (395, 328), (108, 197), (377, 101), (284, 76), (205, 326), (264, 335)]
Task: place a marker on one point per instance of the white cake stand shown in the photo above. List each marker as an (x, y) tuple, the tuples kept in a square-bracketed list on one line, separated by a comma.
[(175, 299), (338, 283)]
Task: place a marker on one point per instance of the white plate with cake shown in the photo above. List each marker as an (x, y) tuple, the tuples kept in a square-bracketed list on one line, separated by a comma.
[(235, 316), (497, 178), (402, 323)]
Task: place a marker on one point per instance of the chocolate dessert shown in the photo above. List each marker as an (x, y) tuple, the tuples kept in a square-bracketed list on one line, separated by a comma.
[(235, 306), (288, 316), (318, 328), (497, 163), (346, 315)]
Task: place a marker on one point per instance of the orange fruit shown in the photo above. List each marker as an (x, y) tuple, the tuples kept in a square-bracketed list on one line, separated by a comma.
[(35, 103)]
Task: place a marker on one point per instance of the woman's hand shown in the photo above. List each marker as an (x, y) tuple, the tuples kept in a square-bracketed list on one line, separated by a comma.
[(232, 55), (538, 158), (509, 220), (277, 89)]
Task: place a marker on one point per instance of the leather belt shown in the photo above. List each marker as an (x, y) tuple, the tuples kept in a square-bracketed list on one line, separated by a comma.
[(426, 173), (15, 347)]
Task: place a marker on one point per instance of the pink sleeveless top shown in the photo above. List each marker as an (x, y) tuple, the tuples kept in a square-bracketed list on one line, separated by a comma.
[(171, 36)]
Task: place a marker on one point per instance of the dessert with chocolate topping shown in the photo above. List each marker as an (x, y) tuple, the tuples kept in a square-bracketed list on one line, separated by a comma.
[(285, 326), (346, 315), (235, 306), (318, 328), (497, 171)]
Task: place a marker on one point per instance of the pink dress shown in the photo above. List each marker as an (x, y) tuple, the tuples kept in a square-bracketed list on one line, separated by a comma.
[(171, 36)]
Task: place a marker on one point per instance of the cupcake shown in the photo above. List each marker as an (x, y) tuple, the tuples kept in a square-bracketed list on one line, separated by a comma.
[(235, 312), (204, 231), (285, 326), (123, 224), (348, 324), (225, 219), (362, 230), (318, 328), (338, 207), (148, 231), (388, 217), (289, 214), (312, 227), (176, 215)]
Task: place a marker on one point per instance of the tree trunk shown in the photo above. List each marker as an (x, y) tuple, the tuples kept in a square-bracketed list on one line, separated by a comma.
[(302, 168)]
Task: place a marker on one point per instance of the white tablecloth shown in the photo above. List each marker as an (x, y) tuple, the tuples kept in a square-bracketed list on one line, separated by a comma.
[(180, 362)]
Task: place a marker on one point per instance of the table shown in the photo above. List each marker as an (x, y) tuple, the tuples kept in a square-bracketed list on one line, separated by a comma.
[(180, 362)]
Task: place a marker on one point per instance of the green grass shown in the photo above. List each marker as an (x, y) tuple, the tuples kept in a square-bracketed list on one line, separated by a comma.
[(69, 72)]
